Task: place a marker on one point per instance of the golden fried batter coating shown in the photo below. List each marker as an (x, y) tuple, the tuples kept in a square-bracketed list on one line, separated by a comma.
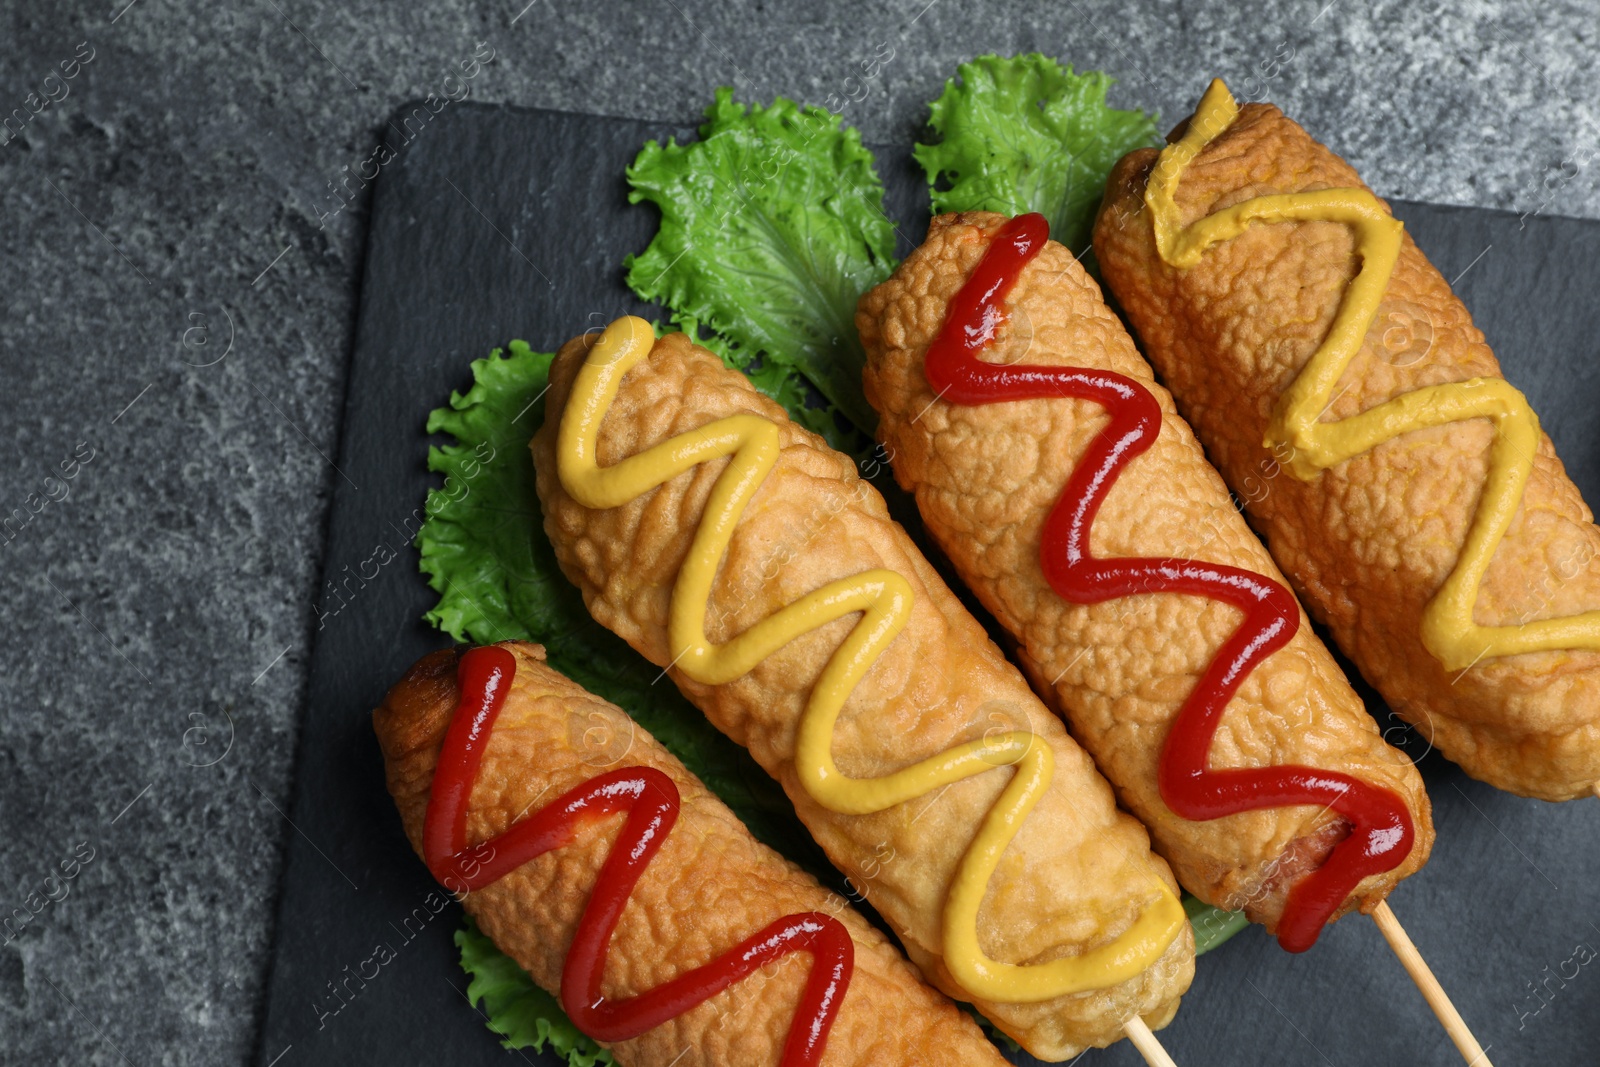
[(1369, 541), (986, 477), (1077, 874), (710, 886)]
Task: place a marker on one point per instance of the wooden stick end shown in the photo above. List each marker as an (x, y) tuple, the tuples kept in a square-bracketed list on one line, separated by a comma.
[(1431, 990), (1149, 1046)]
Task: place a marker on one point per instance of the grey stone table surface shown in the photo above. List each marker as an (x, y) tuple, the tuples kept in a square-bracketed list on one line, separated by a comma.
[(175, 176)]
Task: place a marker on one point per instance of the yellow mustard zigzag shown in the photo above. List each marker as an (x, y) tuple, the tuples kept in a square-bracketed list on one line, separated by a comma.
[(884, 599), (1448, 630)]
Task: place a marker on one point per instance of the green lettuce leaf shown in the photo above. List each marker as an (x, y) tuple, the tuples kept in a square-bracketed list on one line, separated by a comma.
[(772, 226), (1025, 134), (1212, 925), (524, 1015)]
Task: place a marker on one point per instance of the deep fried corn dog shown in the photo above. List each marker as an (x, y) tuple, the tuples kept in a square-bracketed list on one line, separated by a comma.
[(1034, 425), (708, 888), (778, 594), (1343, 392)]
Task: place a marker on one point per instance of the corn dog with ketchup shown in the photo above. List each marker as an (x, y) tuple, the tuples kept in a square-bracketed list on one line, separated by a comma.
[(669, 933), (1070, 497), (1340, 387), (751, 562)]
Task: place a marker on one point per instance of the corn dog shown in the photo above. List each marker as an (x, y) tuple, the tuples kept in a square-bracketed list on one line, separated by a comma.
[(706, 888), (1343, 392), (750, 561), (991, 438)]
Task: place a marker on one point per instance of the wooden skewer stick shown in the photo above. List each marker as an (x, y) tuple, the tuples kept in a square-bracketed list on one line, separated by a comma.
[(1147, 1043), (1432, 991)]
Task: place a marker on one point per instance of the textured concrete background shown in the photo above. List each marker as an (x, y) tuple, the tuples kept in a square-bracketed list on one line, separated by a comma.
[(180, 196)]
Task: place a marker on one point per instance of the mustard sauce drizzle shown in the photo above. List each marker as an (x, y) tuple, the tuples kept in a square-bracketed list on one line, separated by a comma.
[(884, 600), (1448, 630)]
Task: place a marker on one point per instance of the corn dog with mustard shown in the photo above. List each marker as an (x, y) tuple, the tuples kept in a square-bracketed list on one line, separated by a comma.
[(620, 884), (1075, 503), (753, 564), (1341, 389)]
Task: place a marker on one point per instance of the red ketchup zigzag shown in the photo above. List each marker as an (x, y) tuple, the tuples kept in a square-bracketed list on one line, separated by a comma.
[(651, 802), (1381, 833)]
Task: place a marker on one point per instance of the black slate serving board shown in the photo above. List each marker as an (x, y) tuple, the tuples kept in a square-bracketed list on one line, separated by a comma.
[(499, 223)]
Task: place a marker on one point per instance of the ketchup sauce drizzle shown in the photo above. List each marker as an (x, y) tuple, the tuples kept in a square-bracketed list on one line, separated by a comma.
[(1381, 831), (651, 802)]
